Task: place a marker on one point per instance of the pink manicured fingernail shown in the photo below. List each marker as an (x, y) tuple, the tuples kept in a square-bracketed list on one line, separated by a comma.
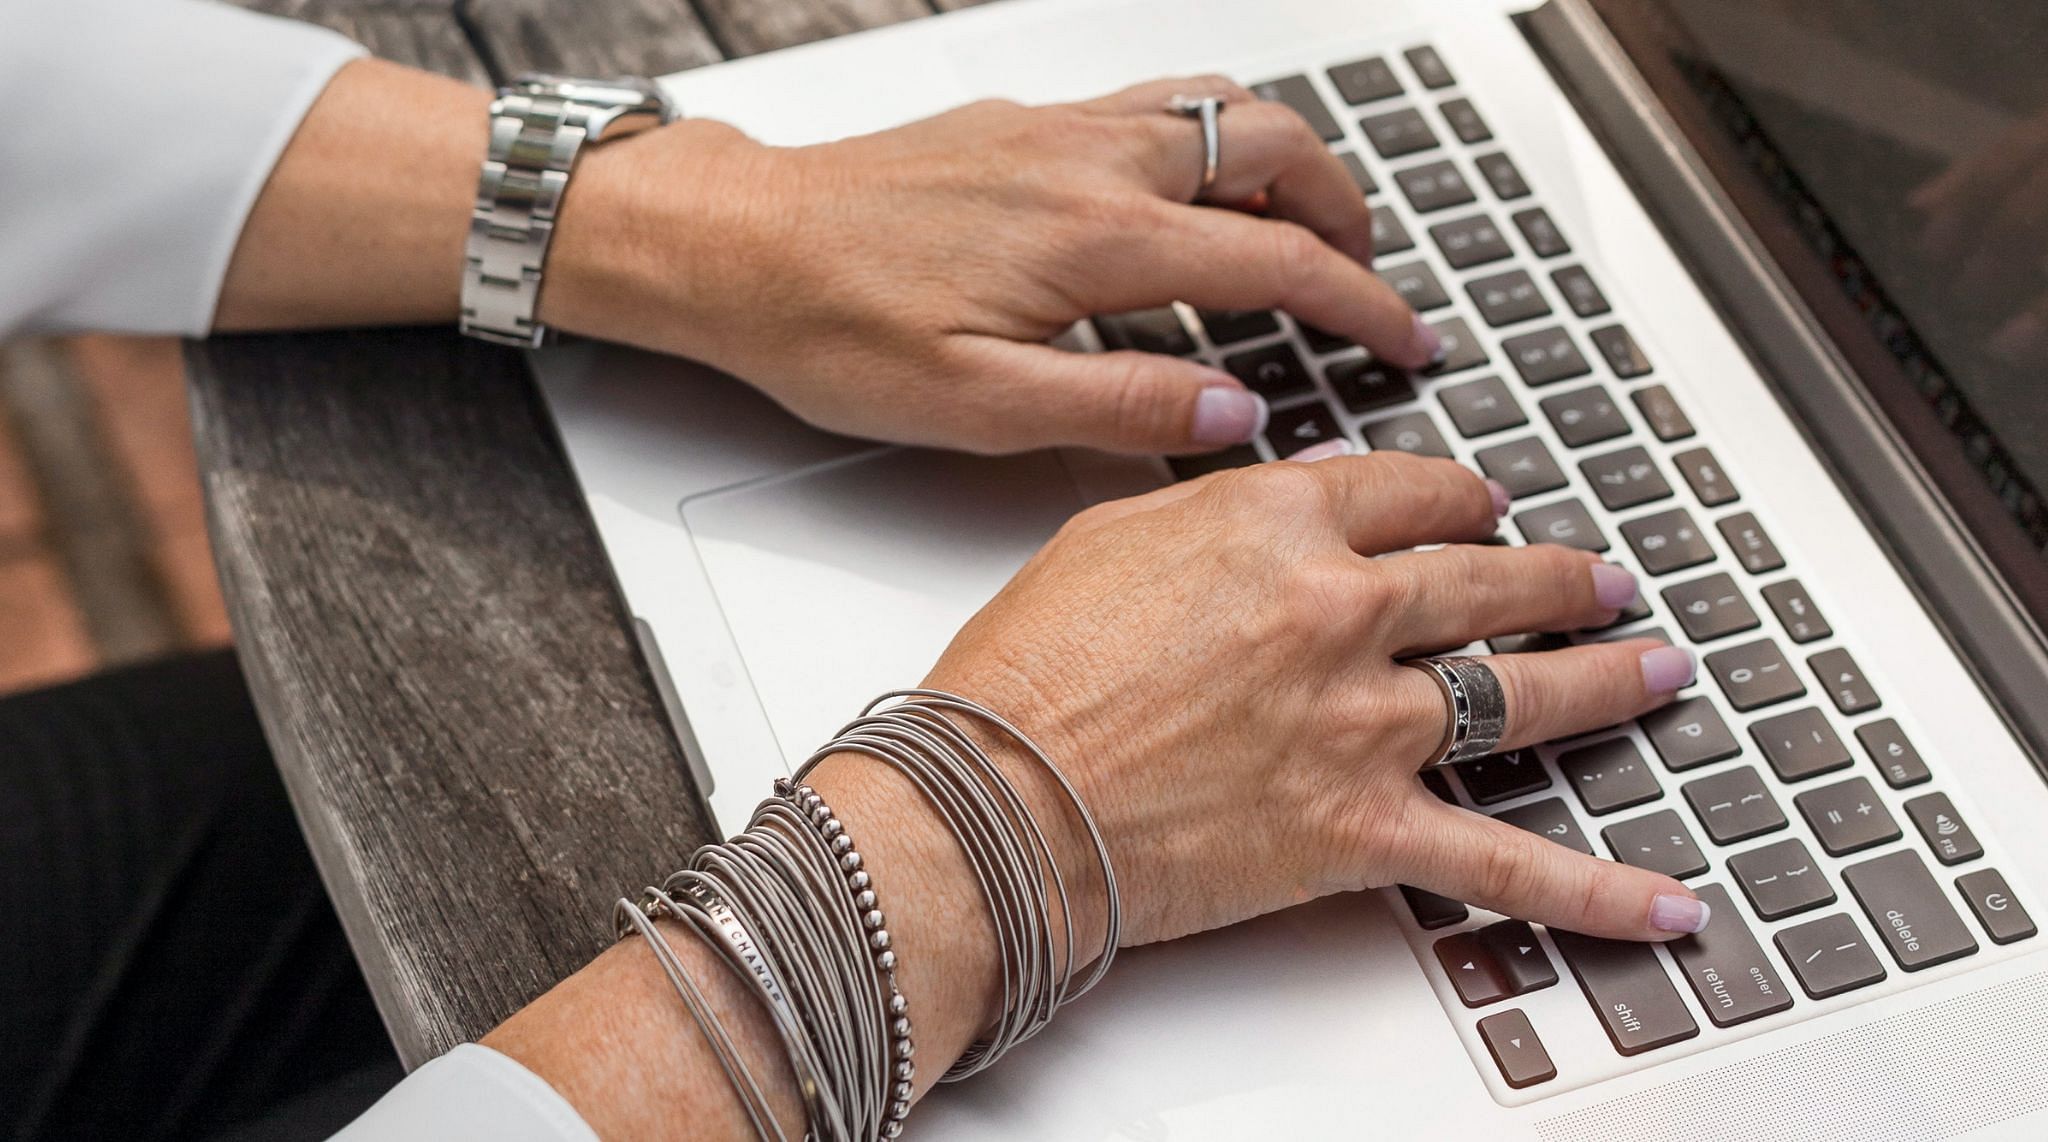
[(1499, 492), (1323, 451), (1680, 914), (1228, 414), (1614, 587), (1425, 345), (1666, 669)]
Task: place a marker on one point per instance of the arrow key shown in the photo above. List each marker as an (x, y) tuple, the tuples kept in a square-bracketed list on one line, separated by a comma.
[(1467, 960), (1518, 958), (1515, 1049)]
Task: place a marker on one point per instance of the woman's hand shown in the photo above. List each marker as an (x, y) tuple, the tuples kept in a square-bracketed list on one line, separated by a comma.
[(902, 285), (1216, 667)]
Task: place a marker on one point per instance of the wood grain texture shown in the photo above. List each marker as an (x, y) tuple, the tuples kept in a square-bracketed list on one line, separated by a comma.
[(475, 747), (478, 756)]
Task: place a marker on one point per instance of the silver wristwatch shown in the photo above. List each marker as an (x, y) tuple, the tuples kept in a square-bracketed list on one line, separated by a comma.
[(538, 124)]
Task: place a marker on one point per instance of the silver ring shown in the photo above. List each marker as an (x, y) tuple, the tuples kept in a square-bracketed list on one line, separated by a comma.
[(1208, 109), (1477, 708)]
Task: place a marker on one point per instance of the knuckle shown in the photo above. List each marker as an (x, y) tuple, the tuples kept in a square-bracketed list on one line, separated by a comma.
[(1508, 871), (1294, 250), (1281, 483)]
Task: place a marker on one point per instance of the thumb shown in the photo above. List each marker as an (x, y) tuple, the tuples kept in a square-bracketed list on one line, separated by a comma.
[(1471, 857), (1125, 401)]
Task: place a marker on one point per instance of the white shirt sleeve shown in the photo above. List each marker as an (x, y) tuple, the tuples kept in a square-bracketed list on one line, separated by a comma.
[(470, 1093), (138, 135)]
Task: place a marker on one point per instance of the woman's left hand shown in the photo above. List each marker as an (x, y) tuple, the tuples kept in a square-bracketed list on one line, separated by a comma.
[(902, 285)]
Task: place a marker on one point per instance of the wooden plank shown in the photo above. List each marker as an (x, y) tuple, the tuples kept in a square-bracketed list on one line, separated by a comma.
[(477, 754), (423, 33), (572, 37), (746, 27)]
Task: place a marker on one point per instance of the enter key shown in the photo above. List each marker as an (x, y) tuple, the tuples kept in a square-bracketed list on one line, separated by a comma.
[(1727, 968)]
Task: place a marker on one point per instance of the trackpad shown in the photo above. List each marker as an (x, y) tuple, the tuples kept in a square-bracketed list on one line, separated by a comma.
[(846, 579)]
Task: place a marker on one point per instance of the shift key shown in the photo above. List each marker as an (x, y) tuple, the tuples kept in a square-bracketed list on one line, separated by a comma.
[(1629, 991), (1734, 980)]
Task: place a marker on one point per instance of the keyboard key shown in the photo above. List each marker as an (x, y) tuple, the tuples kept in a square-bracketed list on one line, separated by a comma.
[(1534, 642), (1609, 775), (1625, 478), (1429, 67), (1504, 299), (1545, 356), (1658, 842), (1364, 81), (1755, 675), (1396, 133), (1996, 908), (1502, 777), (1584, 416), (1710, 608), (1894, 756), (1796, 611), (1689, 733), (1566, 522), (1734, 806), (1502, 175), (1189, 467), (1847, 817), (1579, 290), (1417, 285), (1364, 384), (1355, 167), (1272, 372), (1517, 957), (1388, 235), (1634, 612), (1523, 467), (1830, 956), (1146, 330), (1620, 349), (1434, 186), (1481, 407), (1515, 1049), (1912, 916), (1297, 92), (1781, 879), (1413, 432), (1704, 475), (1432, 911), (1291, 430), (1470, 969), (1438, 785), (1728, 971), (1800, 744), (1625, 982), (1844, 681), (1943, 829), (1753, 549), (1667, 421), (1321, 343), (1549, 818), (1469, 242), (1229, 326), (1461, 349), (1541, 233), (1667, 541)]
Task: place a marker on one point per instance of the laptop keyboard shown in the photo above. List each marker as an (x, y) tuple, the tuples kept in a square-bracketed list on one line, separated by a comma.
[(1776, 788)]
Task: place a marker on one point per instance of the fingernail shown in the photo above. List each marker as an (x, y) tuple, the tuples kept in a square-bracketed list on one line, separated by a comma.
[(1425, 345), (1680, 914), (1667, 669), (2020, 339), (1228, 414), (1323, 451), (1614, 586), (1499, 492)]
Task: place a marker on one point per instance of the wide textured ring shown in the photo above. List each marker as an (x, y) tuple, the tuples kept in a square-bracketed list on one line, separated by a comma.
[(1475, 703), (1208, 109)]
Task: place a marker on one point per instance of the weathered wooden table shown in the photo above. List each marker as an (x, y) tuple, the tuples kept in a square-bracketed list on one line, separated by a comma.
[(477, 753)]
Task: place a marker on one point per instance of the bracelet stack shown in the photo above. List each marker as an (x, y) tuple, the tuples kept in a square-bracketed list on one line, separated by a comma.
[(792, 912)]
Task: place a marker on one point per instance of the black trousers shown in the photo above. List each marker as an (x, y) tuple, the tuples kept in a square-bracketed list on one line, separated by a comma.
[(170, 967)]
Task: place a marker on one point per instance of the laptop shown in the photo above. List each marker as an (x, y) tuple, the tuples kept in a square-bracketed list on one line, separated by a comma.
[(1698, 321)]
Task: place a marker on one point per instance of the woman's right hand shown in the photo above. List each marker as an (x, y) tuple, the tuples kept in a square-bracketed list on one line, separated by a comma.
[(1216, 667)]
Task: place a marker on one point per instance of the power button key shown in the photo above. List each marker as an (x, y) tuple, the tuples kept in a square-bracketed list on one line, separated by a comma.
[(2003, 918)]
